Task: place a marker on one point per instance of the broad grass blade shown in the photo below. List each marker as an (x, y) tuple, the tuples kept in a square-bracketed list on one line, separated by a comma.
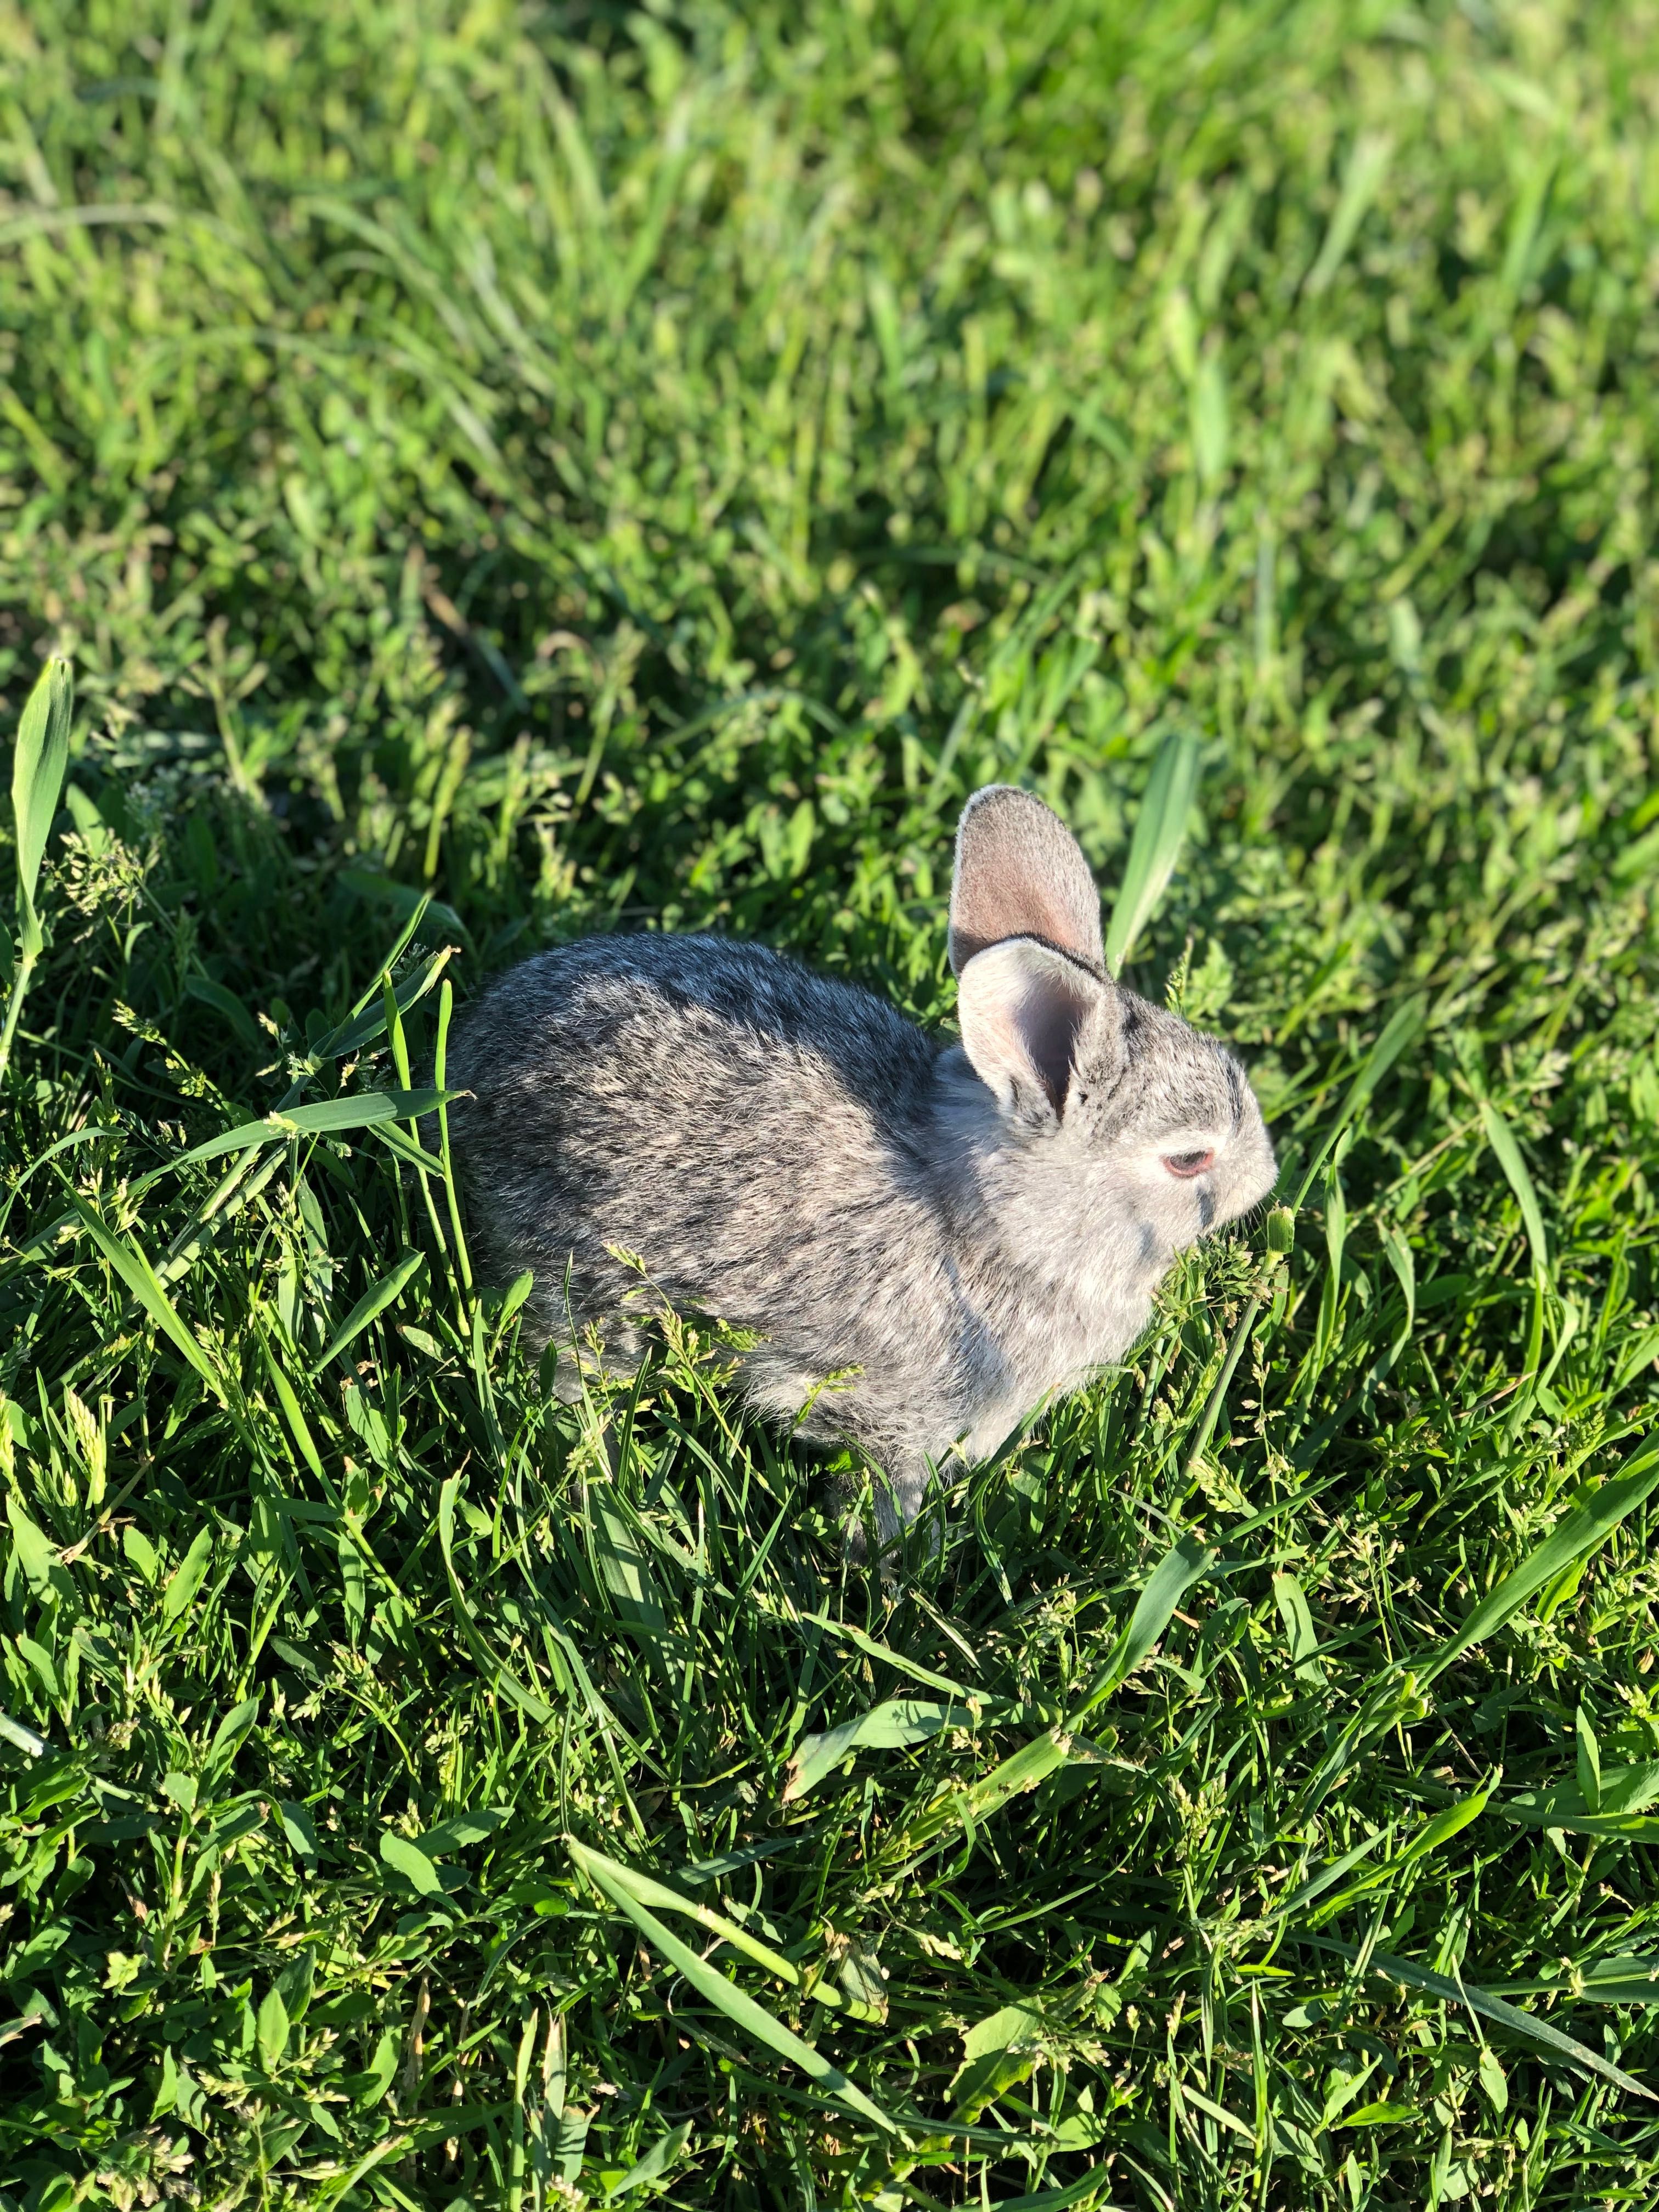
[(1491, 2008), (1564, 1809), (1367, 166), (24, 1739), (845, 1632), (1624, 1798), (368, 1019), (1588, 1761), (404, 900), (330, 1116), (1160, 828), (1399, 1031), (1501, 1138), (1316, 1884), (656, 1895), (1208, 421), (37, 1555), (1069, 2194), (626, 1569), (1626, 1979), (1020, 1772), (289, 1400), (1578, 1534), (655, 2163), (1440, 1829), (402, 1147), (409, 1860), (1621, 1981), (187, 1577), (141, 1278), (38, 763), (1303, 1640), (461, 1829), (894, 1726), (1175, 1572), (373, 1302), (230, 1735), (207, 992), (738, 2005), (1405, 1268), (272, 2029), (997, 2053)]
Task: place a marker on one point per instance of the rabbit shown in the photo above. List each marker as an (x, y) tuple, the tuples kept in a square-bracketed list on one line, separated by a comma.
[(926, 1239)]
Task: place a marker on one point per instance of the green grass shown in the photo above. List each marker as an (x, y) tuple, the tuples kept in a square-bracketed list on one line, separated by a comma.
[(598, 467)]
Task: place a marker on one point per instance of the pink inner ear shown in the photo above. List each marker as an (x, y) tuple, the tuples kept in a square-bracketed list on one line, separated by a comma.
[(1010, 910), (1022, 1007)]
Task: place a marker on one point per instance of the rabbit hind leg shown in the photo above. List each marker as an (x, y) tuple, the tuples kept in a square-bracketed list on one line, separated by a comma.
[(614, 1359), (899, 1481)]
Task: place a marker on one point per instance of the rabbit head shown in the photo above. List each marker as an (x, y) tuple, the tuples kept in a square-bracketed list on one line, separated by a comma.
[(1116, 1119)]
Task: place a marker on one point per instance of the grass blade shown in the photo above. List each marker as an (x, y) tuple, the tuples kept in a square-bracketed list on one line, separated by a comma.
[(527, 1700), (738, 2005), (367, 1020), (409, 1860), (209, 994), (187, 1577), (1578, 1534), (625, 1569), (1175, 1574), (657, 1895), (1022, 1771), (1440, 1829), (38, 761), (847, 1632), (655, 2163), (24, 1739), (1160, 828), (373, 1302), (1401, 1029), (141, 1278), (330, 1116), (1299, 1632), (1524, 2024), (1563, 1808), (1079, 2194), (1367, 166), (1316, 1884), (894, 1726), (1621, 1980), (1501, 1138)]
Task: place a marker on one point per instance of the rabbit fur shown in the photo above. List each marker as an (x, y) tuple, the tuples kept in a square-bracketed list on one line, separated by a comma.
[(928, 1239)]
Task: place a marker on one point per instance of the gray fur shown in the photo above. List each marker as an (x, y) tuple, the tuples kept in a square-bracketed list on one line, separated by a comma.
[(969, 1230)]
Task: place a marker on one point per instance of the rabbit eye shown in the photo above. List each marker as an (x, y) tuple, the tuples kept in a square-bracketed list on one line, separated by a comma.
[(1188, 1163)]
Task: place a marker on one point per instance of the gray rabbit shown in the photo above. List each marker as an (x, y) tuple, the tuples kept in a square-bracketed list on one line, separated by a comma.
[(929, 1239)]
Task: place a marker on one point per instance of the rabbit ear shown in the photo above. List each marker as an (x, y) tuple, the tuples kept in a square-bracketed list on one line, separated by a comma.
[(1020, 873), (1023, 1008)]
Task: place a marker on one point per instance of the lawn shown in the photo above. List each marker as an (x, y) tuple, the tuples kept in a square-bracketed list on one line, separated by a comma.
[(502, 471)]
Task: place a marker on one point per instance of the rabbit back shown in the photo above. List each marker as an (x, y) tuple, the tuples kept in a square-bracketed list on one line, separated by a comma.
[(750, 1129)]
